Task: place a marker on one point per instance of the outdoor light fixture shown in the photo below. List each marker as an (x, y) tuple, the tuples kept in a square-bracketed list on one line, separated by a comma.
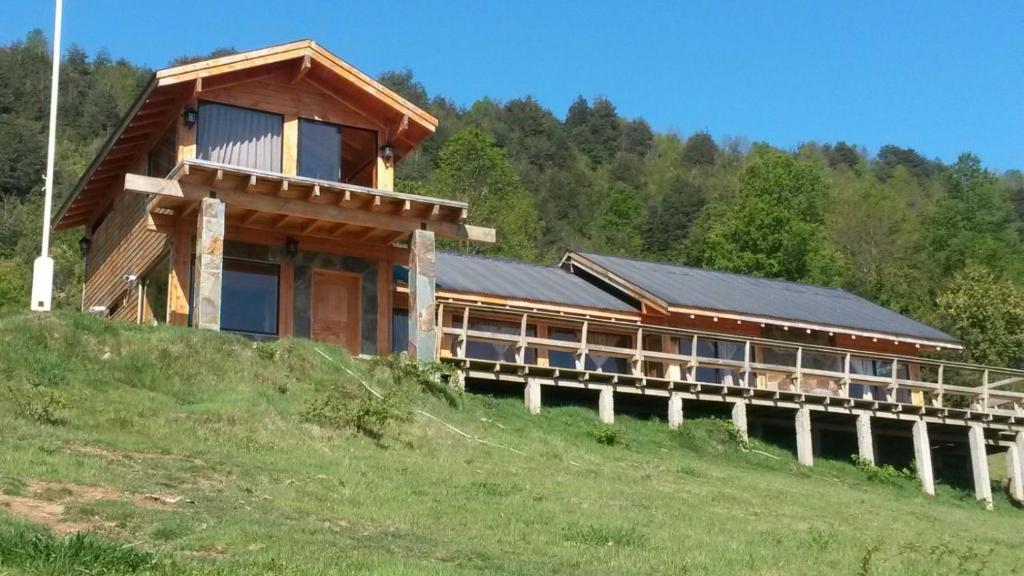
[(83, 245), (190, 116), (387, 152), (291, 247)]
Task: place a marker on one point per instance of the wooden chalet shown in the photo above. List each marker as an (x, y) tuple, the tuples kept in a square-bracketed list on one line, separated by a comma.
[(254, 194)]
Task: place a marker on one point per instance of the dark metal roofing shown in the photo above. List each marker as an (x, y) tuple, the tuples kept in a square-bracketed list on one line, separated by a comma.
[(726, 292), (514, 279)]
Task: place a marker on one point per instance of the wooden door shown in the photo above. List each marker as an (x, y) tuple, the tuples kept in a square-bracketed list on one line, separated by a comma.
[(335, 310)]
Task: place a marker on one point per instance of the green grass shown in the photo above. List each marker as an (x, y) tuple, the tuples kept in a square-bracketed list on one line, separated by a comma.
[(262, 444)]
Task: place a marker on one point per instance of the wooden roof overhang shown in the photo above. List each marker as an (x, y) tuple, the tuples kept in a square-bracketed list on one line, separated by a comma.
[(294, 205), (401, 123), (653, 305)]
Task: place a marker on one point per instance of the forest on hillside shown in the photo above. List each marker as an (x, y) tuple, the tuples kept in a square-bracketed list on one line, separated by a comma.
[(939, 242)]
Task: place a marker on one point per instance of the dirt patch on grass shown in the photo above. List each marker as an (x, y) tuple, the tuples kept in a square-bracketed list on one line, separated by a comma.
[(126, 456), (46, 503)]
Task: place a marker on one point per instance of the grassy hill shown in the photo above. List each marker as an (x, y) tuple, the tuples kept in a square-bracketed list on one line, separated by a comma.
[(132, 450)]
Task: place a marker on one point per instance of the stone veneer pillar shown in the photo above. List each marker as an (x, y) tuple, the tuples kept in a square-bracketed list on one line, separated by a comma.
[(209, 266), (422, 316)]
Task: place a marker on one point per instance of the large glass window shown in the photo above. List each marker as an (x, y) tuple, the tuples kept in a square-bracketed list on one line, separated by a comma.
[(239, 136), (399, 330), (249, 297), (319, 150)]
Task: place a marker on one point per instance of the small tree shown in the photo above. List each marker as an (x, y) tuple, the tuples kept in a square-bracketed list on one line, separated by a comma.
[(470, 168), (987, 312)]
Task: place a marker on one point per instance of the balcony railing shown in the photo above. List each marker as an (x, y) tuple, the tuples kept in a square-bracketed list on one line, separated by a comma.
[(622, 352)]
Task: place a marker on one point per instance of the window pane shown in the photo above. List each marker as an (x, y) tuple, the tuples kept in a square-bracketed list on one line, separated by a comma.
[(249, 297), (399, 330), (239, 136), (319, 150)]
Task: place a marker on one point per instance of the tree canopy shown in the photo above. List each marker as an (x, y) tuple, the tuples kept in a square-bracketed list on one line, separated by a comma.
[(939, 242)]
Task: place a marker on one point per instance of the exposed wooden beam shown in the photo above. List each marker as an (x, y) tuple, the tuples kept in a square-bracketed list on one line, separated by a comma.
[(283, 187), (300, 208), (304, 67)]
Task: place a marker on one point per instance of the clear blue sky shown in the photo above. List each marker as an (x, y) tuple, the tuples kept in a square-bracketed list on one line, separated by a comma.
[(941, 77)]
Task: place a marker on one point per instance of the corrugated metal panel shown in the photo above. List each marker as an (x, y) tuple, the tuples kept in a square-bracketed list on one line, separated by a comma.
[(726, 292), (509, 278)]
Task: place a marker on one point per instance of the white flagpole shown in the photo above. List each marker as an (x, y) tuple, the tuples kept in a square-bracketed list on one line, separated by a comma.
[(42, 270)]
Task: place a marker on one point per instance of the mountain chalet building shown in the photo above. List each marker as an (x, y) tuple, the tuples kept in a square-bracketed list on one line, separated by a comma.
[(253, 193)]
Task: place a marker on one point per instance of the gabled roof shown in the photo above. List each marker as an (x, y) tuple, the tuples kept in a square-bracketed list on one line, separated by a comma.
[(682, 288), (483, 275), (169, 89)]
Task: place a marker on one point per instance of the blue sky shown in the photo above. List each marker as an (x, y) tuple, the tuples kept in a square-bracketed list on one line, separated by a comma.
[(940, 77)]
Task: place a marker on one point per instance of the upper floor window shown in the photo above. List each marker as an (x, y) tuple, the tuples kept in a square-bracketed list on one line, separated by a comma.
[(239, 136), (319, 150), (339, 153)]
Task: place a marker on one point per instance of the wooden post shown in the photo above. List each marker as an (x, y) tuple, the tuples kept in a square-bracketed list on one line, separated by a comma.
[(462, 343), (531, 396), (746, 365), (638, 357), (691, 366), (942, 390), (581, 353), (521, 345), (290, 145), (846, 376), (286, 300), (179, 275), (1014, 472), (798, 378), (209, 264), (422, 319)]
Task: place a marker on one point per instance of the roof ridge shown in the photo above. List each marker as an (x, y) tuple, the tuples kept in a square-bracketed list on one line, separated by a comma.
[(501, 259), (716, 271)]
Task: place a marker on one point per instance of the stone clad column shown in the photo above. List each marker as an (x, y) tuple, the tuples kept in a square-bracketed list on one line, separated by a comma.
[(979, 463), (209, 267), (422, 277), (804, 443), (865, 439), (923, 457)]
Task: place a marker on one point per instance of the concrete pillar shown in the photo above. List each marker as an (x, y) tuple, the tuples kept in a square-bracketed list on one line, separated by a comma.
[(422, 274), (865, 439), (209, 267), (739, 418), (923, 457), (531, 396), (804, 442), (675, 411), (979, 464), (1014, 473), (606, 406)]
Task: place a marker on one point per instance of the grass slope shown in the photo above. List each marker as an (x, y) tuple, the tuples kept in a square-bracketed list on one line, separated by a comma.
[(185, 452)]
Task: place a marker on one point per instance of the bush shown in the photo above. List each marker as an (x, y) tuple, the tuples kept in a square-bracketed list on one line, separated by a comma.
[(369, 415), (607, 434), (886, 474), (39, 404)]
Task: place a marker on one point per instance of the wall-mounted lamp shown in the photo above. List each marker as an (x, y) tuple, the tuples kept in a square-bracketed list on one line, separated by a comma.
[(83, 245), (291, 247), (190, 116), (387, 152)]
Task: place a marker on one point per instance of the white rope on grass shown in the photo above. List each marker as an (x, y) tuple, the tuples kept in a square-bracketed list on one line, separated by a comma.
[(417, 410)]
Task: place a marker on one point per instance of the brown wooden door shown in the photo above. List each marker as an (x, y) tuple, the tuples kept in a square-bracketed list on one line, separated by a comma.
[(334, 309)]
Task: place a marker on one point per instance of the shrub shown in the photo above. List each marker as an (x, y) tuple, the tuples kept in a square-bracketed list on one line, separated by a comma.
[(607, 434), (40, 404), (368, 414), (886, 473)]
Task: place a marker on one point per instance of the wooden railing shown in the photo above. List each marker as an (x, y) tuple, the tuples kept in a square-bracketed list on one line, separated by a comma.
[(659, 354)]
